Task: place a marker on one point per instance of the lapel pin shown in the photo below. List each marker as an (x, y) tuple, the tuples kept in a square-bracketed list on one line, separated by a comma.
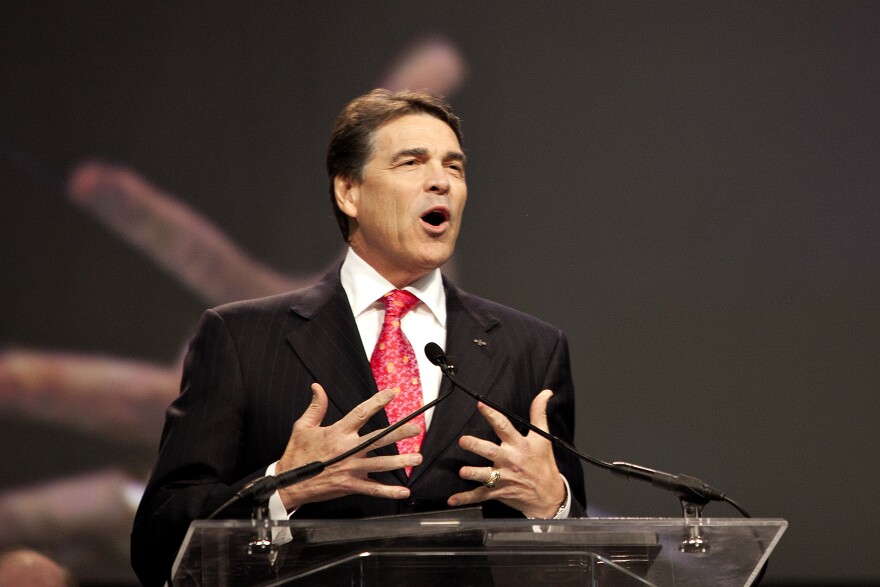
[(480, 342)]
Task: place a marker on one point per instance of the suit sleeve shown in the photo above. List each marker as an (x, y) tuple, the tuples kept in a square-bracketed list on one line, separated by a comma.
[(560, 414), (197, 468)]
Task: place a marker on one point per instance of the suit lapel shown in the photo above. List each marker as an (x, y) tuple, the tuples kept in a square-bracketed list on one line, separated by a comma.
[(326, 339), (467, 328)]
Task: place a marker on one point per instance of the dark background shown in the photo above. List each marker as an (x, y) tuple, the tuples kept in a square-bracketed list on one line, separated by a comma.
[(690, 191)]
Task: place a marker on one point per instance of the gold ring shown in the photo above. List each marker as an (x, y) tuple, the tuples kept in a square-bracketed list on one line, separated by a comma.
[(493, 479)]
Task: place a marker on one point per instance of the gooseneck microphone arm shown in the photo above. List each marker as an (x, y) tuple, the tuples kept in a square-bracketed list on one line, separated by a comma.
[(436, 355), (260, 490), (692, 492)]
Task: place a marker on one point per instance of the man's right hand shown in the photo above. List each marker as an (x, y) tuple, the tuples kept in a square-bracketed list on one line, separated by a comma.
[(310, 442)]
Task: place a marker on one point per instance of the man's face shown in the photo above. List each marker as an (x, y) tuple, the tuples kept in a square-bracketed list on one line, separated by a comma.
[(407, 210)]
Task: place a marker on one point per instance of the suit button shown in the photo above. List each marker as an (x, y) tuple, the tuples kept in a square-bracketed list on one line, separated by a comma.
[(411, 502)]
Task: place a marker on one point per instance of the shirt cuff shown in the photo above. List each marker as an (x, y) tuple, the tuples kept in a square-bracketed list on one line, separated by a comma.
[(565, 509), (277, 511)]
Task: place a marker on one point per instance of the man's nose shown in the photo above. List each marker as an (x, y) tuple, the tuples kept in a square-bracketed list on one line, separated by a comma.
[(437, 181)]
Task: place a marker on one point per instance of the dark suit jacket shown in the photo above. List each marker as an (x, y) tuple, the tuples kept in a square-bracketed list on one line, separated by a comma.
[(246, 380)]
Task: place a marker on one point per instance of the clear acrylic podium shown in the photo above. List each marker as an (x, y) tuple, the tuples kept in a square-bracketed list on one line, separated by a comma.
[(450, 552)]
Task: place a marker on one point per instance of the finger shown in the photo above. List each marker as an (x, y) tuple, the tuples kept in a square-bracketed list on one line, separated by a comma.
[(407, 431), (478, 474), (538, 410), (478, 495), (484, 448), (500, 424), (375, 489), (355, 419), (389, 463), (314, 414)]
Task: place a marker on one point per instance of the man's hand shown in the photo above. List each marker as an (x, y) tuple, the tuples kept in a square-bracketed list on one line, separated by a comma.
[(311, 442), (529, 480)]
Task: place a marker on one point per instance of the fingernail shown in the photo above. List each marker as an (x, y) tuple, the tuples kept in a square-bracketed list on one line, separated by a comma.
[(414, 459), (401, 493)]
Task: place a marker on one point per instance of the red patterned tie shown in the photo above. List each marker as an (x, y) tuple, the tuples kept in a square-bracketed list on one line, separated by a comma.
[(394, 367)]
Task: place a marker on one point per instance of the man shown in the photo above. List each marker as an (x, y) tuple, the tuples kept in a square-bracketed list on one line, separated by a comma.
[(313, 358)]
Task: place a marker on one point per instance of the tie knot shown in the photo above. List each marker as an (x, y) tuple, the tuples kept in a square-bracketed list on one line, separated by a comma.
[(397, 303)]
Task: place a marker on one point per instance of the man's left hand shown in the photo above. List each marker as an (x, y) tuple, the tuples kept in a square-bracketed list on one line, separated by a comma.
[(529, 480)]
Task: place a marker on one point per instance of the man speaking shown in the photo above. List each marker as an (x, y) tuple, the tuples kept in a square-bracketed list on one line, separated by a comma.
[(275, 383)]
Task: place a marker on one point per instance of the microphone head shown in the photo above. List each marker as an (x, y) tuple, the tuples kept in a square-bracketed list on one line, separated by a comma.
[(435, 354)]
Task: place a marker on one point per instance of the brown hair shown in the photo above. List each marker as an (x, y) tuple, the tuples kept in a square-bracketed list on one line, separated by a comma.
[(351, 143)]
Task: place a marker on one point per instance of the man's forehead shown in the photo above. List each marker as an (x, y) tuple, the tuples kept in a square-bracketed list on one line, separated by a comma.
[(415, 131)]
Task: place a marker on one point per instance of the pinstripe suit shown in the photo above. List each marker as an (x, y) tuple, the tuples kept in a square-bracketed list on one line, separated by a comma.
[(247, 377)]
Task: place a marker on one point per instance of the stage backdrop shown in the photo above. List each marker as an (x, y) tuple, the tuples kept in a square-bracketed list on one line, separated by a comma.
[(690, 191)]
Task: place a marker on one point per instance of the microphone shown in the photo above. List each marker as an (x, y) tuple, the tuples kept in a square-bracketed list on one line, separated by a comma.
[(688, 489), (437, 357)]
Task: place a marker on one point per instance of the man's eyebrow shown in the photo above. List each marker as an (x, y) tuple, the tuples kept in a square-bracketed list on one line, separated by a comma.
[(422, 152), (413, 152), (456, 156)]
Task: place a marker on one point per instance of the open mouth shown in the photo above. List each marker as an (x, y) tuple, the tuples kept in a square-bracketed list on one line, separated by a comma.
[(436, 217)]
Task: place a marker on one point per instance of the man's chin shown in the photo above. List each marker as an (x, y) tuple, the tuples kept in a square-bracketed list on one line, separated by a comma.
[(433, 259)]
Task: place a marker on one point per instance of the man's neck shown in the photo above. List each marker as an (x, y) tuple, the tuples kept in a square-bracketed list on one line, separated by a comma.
[(399, 278)]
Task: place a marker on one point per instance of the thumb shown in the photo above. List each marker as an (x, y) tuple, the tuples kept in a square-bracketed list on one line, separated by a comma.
[(314, 414), (538, 410)]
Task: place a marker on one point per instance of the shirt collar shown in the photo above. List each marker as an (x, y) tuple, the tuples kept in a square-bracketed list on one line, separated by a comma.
[(364, 286)]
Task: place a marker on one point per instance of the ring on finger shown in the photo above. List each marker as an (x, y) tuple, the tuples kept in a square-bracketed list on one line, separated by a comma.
[(493, 479)]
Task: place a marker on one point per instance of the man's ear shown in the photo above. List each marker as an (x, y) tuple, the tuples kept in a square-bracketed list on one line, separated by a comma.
[(347, 195)]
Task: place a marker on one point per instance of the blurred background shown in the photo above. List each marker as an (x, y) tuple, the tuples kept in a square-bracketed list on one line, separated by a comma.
[(688, 190)]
